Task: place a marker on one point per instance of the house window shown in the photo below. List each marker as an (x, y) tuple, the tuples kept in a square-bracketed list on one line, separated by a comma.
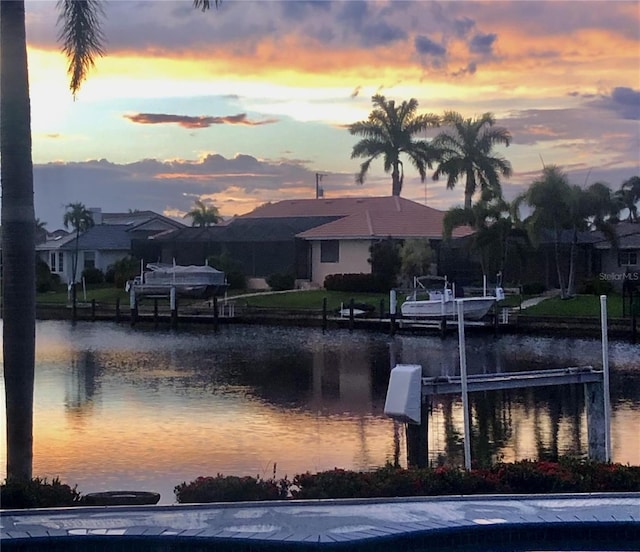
[(330, 251), (60, 262), (89, 259), (627, 258), (52, 261)]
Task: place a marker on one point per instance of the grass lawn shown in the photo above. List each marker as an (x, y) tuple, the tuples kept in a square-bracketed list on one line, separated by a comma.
[(581, 305), (102, 293), (312, 299)]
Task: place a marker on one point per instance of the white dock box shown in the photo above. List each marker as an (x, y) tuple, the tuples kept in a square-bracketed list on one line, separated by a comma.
[(404, 394)]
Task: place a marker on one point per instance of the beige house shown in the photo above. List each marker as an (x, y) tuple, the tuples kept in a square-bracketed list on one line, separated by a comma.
[(340, 244)]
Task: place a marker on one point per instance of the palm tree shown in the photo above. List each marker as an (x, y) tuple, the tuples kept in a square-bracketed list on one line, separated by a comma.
[(203, 214), (493, 223), (466, 152), (389, 132), (629, 197), (41, 231), (80, 219), (81, 42)]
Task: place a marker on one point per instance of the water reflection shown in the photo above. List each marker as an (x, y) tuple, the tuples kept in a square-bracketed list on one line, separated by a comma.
[(122, 408)]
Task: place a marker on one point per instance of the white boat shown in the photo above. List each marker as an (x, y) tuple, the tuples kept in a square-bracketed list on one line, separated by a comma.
[(201, 281), (442, 304)]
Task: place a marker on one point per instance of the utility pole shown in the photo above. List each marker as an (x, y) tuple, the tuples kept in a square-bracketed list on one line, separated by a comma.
[(319, 190)]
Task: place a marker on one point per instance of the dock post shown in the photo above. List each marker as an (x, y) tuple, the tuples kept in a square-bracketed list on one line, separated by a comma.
[(93, 310), (605, 377), (74, 301), (324, 314), (133, 306), (351, 316), (463, 381), (381, 309), (117, 309), (155, 311), (418, 438), (174, 307), (215, 313), (596, 434), (392, 311)]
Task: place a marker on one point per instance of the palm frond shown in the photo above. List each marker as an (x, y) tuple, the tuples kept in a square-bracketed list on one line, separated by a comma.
[(81, 36)]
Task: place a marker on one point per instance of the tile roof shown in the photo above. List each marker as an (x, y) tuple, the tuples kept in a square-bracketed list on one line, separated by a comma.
[(102, 237), (361, 217)]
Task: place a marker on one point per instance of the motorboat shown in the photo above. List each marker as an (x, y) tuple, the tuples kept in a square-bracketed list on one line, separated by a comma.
[(197, 281), (424, 303)]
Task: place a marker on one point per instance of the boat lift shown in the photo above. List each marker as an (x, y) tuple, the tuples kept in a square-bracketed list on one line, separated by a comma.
[(408, 390)]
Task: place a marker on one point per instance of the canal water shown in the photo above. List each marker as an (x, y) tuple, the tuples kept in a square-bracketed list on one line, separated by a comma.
[(118, 408)]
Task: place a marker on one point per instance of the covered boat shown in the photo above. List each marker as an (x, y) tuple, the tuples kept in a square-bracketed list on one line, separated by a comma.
[(199, 281)]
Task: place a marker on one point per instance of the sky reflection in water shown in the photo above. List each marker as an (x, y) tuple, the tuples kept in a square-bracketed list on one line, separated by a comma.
[(122, 408)]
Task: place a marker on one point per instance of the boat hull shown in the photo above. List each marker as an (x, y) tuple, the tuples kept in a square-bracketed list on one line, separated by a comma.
[(475, 308)]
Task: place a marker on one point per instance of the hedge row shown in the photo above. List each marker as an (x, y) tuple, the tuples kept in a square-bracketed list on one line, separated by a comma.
[(568, 475)]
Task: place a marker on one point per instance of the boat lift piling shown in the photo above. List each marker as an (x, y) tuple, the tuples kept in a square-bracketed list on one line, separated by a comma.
[(404, 403)]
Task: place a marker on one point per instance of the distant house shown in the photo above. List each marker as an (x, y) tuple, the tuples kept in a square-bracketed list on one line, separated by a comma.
[(621, 262), (109, 240), (310, 238)]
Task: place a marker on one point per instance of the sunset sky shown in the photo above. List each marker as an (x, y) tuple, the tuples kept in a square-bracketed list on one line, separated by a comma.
[(245, 104)]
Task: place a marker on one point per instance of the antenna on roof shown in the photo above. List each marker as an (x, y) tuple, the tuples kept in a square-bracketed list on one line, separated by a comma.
[(319, 189)]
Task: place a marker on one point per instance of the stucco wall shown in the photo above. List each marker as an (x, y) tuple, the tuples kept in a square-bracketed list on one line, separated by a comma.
[(353, 259)]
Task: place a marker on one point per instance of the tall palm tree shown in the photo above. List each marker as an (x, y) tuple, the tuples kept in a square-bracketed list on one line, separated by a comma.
[(203, 214), (388, 133), (81, 42), (80, 219), (549, 197), (466, 152)]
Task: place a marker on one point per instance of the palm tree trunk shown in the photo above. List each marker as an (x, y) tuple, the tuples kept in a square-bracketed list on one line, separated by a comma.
[(556, 245), (18, 240), (469, 189), (396, 183)]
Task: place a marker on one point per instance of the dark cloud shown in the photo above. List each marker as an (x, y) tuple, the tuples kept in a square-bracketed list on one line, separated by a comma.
[(354, 14), (426, 46), (301, 8), (381, 33), (200, 121), (462, 26), (168, 185), (482, 43), (470, 69), (626, 101), (622, 100)]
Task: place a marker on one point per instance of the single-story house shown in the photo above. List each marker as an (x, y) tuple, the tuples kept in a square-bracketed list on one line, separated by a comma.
[(107, 241), (310, 238)]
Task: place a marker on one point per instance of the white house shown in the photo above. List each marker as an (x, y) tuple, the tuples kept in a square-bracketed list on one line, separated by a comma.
[(109, 240)]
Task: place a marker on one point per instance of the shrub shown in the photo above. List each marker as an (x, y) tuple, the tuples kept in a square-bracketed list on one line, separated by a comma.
[(281, 282), (37, 493), (364, 283), (93, 275), (122, 270), (231, 489), (45, 280), (533, 288), (232, 270), (595, 286)]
